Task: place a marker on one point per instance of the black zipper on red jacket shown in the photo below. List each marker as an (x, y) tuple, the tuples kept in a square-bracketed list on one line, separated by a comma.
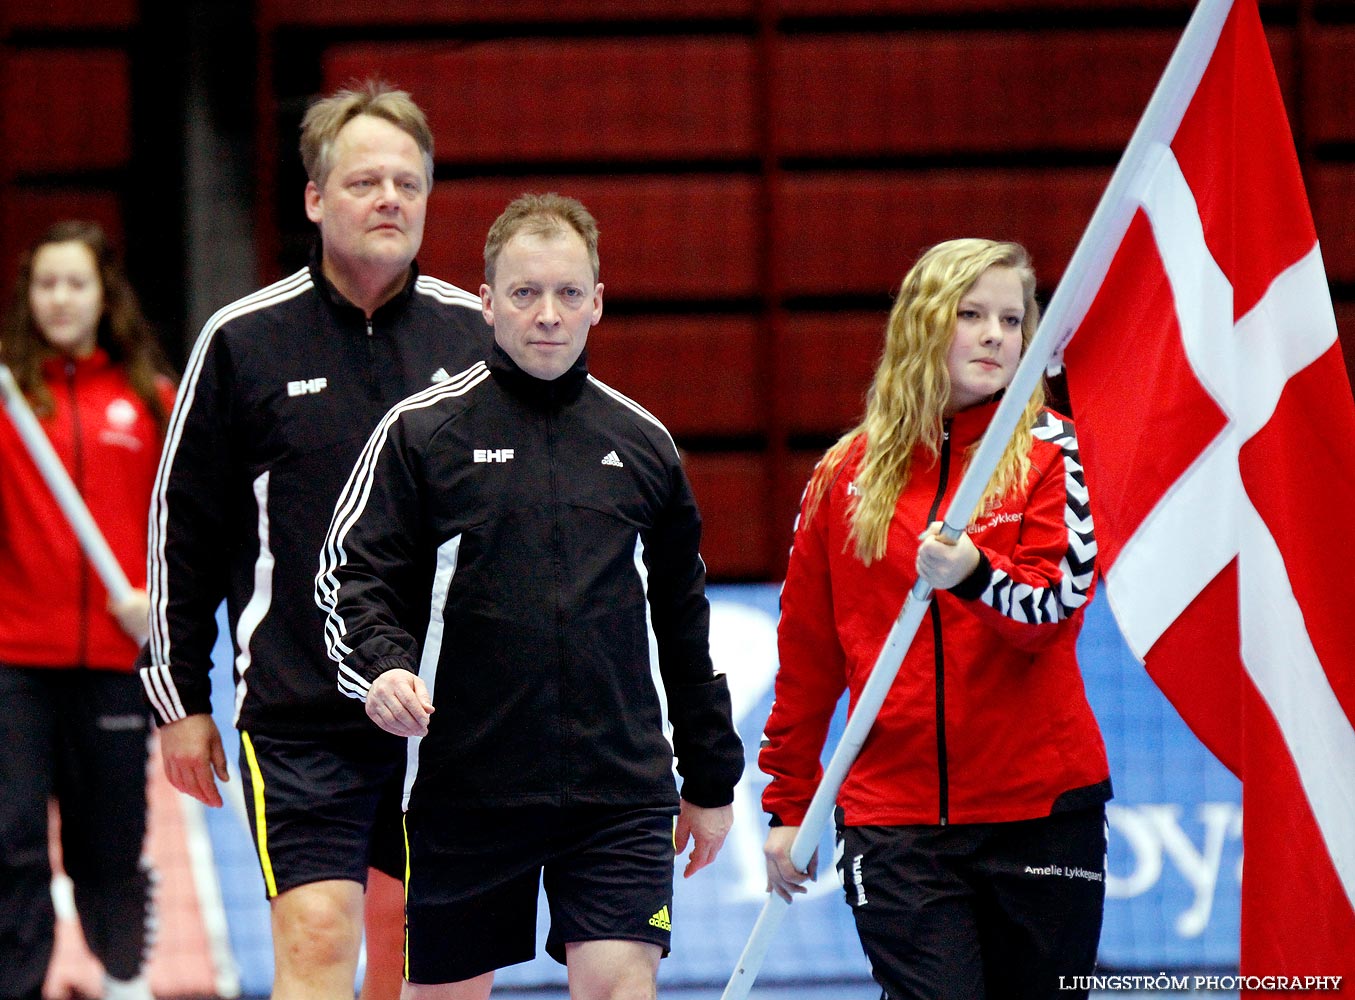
[(942, 775), (78, 476)]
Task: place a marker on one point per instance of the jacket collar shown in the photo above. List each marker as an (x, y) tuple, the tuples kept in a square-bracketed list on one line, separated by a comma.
[(969, 424), (547, 394), (341, 306), (54, 365)]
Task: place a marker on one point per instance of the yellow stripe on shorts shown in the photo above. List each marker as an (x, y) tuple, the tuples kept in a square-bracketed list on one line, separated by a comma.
[(260, 823), (404, 829)]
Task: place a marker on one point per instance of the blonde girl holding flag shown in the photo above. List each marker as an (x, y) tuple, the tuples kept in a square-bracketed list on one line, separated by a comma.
[(971, 826)]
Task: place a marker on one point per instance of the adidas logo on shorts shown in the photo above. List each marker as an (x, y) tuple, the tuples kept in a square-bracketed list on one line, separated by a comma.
[(661, 920)]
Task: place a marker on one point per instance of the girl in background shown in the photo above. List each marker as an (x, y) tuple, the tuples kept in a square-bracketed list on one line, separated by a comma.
[(73, 723), (972, 825)]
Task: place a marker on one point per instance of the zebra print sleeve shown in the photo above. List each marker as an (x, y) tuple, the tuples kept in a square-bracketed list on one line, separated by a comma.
[(1043, 602)]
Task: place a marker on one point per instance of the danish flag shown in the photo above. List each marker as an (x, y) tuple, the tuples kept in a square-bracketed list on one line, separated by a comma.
[(1218, 433)]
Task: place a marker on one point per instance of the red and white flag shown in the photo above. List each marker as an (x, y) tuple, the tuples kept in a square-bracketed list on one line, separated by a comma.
[(1218, 433)]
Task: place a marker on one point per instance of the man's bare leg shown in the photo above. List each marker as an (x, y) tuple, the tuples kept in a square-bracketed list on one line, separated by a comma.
[(317, 929), (384, 923), (613, 970)]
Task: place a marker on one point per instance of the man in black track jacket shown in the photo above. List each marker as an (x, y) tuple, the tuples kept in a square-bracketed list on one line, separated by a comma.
[(280, 392), (496, 564)]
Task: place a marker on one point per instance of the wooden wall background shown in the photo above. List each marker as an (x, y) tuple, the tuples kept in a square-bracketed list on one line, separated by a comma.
[(764, 171)]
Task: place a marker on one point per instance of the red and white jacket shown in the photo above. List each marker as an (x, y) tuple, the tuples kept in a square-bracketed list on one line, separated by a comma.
[(53, 606), (987, 720)]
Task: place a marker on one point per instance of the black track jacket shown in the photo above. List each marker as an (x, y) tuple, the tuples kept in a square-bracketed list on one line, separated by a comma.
[(513, 541), (281, 390)]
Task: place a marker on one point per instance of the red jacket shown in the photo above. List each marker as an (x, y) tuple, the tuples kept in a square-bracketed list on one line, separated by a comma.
[(988, 720), (53, 606)]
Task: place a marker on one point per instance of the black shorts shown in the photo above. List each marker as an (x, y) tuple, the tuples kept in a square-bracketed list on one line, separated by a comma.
[(978, 911), (471, 891), (324, 809)]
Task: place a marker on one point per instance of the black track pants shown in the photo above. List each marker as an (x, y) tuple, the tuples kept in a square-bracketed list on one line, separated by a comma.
[(78, 735), (992, 911)]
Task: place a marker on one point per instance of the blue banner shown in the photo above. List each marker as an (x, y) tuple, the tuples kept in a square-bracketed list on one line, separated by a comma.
[(1174, 854)]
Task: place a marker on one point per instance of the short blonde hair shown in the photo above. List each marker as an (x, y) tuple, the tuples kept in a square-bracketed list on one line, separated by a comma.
[(541, 215), (326, 118)]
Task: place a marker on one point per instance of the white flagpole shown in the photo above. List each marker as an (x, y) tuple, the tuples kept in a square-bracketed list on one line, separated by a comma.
[(1074, 295), (67, 496)]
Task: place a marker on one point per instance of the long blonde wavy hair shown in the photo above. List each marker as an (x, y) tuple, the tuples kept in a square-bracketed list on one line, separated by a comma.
[(907, 400)]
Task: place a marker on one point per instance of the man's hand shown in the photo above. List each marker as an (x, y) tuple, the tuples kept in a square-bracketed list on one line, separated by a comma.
[(398, 702), (943, 563), (192, 752), (782, 877), (134, 615), (706, 828)]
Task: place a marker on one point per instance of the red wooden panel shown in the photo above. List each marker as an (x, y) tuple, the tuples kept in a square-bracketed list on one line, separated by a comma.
[(791, 477), (667, 238), (697, 374), (844, 8), (25, 214), (940, 92), (75, 14), (1331, 192), (928, 92), (572, 100), (1345, 327), (858, 232), (1330, 99), (731, 490), (431, 12), (66, 109), (827, 362)]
